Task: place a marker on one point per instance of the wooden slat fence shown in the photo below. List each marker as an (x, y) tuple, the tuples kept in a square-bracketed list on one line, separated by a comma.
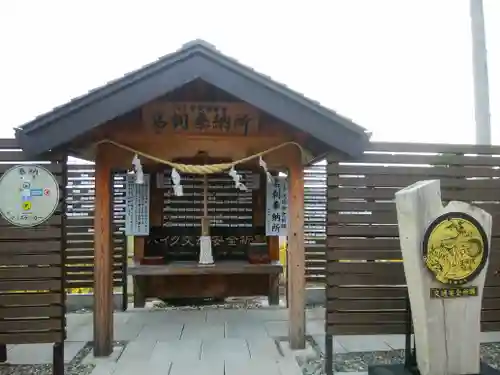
[(365, 278), (32, 273), (80, 209), (80, 196), (315, 222)]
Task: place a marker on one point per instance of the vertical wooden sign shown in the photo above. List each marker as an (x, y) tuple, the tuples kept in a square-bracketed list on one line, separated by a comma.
[(277, 207), (445, 256), (137, 207)]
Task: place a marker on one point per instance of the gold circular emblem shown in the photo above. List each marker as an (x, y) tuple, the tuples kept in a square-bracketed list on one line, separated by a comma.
[(455, 248)]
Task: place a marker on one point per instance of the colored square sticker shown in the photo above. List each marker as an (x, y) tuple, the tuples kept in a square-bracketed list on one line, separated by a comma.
[(36, 192)]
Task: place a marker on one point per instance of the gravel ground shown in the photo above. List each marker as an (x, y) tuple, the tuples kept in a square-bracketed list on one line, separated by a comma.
[(357, 362), (228, 304), (75, 367)]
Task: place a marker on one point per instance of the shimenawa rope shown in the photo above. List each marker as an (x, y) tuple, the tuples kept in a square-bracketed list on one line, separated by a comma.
[(201, 169)]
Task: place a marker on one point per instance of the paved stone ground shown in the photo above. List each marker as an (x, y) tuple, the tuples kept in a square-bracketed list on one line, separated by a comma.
[(174, 342), (211, 341)]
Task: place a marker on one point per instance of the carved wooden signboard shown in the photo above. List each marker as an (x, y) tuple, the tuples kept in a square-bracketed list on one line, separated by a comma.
[(137, 207), (277, 207), (217, 241), (445, 253), (201, 117)]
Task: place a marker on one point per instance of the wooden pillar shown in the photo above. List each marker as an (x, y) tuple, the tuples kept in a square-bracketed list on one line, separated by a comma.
[(3, 353), (139, 243), (296, 254), (156, 202), (103, 255), (139, 282), (274, 248), (141, 291), (274, 279)]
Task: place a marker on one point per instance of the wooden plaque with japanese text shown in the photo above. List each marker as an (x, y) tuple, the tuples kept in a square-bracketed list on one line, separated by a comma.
[(163, 116)]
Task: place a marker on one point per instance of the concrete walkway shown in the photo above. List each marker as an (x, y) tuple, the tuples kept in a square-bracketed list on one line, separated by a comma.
[(218, 342), (178, 342), (204, 342)]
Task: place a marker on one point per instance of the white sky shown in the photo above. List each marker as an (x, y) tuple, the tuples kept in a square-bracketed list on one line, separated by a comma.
[(400, 68)]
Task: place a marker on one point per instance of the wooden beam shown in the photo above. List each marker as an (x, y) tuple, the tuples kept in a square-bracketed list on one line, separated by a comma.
[(103, 274), (156, 201), (296, 254)]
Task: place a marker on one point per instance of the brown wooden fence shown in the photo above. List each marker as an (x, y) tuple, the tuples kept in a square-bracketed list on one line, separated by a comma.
[(80, 210), (366, 283), (32, 262), (80, 207), (315, 222), (80, 196)]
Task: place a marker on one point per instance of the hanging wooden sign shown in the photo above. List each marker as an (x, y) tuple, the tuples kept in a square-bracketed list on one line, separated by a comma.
[(201, 117), (277, 207), (137, 207), (228, 207)]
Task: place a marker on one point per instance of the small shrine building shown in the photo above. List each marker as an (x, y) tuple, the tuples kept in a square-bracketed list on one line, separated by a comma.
[(204, 137)]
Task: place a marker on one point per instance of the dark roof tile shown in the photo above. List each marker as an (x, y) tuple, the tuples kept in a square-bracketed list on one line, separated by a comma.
[(195, 59)]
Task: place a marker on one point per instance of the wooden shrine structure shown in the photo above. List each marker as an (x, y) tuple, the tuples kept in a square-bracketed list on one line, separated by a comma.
[(201, 113)]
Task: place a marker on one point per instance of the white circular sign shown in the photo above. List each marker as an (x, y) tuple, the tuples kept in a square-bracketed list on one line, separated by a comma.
[(29, 195)]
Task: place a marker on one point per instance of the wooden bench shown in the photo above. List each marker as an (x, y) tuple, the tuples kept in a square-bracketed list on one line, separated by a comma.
[(179, 276), (191, 280)]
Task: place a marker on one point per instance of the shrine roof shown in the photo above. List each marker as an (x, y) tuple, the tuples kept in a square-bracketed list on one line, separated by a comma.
[(195, 60)]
